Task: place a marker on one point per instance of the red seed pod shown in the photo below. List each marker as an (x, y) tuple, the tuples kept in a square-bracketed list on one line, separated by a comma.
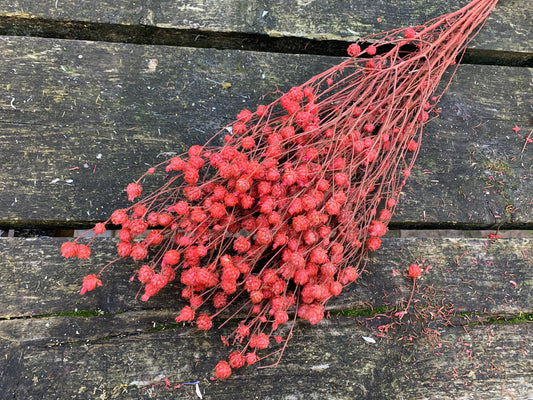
[(373, 243), (348, 275), (68, 249), (248, 143), (223, 370), (409, 33), (251, 358), (90, 282), (176, 164), (354, 50), (259, 341), (204, 322), (385, 215), (243, 185), (138, 252), (171, 257), (137, 226), (256, 296), (124, 249), (261, 110), (186, 314), (119, 217), (414, 271), (99, 228), (333, 207), (217, 210), (133, 190), (377, 228), (145, 274), (236, 359), (83, 251), (220, 300), (239, 128), (335, 288), (244, 116), (263, 236)]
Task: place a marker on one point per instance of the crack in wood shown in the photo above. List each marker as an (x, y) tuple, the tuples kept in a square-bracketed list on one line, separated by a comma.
[(151, 35)]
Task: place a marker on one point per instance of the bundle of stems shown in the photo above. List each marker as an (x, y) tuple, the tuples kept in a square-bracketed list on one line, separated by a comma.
[(282, 216)]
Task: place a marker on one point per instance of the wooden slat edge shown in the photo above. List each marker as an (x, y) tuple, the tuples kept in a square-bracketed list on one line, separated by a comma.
[(473, 276), (81, 120), (330, 360), (506, 29)]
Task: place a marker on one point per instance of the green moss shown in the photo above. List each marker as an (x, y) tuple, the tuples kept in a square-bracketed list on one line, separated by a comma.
[(355, 312), (162, 327), (498, 167), (79, 313), (479, 318), (512, 320)]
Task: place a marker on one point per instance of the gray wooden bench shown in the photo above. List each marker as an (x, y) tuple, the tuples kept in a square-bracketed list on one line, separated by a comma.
[(93, 92)]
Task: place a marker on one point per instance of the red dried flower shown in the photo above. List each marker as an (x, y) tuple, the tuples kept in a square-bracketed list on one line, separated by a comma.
[(251, 358), (261, 110), (145, 274), (409, 33), (414, 271), (83, 251), (354, 50), (377, 228), (154, 238), (119, 217), (267, 207), (137, 226), (99, 228), (138, 252), (171, 257), (236, 359), (90, 282), (239, 128), (186, 314), (333, 207), (223, 370), (68, 249), (133, 190), (241, 244), (348, 275), (124, 249), (259, 341), (373, 243), (204, 322)]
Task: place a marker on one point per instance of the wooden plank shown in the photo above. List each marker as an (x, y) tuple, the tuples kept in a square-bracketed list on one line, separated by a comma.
[(475, 276), (80, 120), (329, 360), (221, 22)]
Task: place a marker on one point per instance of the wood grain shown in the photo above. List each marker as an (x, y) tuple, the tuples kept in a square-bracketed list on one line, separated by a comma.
[(81, 120), (474, 275), (255, 24), (67, 357)]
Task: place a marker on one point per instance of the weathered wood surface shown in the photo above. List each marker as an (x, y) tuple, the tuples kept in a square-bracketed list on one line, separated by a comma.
[(476, 276), (129, 356), (250, 24), (80, 120)]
